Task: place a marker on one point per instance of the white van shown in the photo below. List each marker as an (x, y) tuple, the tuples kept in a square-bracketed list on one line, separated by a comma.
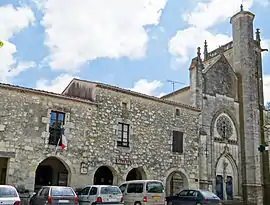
[(99, 194), (143, 192)]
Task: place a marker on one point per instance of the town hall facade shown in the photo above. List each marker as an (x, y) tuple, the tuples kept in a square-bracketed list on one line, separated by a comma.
[(202, 136)]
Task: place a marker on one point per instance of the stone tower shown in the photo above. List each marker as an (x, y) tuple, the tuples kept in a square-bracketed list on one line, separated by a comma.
[(244, 64)]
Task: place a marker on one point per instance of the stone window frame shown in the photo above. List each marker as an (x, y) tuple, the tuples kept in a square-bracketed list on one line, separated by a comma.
[(115, 127), (59, 140), (46, 121), (120, 143), (125, 101), (171, 142), (177, 113)]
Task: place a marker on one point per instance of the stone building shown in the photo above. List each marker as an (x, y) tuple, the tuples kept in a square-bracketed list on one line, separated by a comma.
[(113, 135), (226, 84), (202, 136)]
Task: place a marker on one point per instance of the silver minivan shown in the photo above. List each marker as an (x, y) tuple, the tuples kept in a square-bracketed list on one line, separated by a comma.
[(99, 194), (143, 192)]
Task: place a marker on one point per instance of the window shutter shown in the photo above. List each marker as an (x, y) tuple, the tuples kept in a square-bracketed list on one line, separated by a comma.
[(177, 141)]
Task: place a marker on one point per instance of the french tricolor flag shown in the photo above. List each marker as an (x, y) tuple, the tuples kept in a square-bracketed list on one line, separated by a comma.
[(64, 139)]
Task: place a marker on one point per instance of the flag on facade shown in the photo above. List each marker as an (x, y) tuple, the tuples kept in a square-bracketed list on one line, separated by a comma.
[(64, 139)]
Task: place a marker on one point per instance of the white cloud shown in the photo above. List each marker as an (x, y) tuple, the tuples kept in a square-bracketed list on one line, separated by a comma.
[(263, 3), (205, 15), (186, 41), (265, 44), (208, 14), (12, 20), (145, 87), (56, 85), (79, 31)]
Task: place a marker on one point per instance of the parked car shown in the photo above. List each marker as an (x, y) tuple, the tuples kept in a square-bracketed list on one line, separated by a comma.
[(94, 194), (54, 195), (9, 195), (147, 192), (194, 197)]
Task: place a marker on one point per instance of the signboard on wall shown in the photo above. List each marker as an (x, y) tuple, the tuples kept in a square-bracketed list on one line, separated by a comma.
[(122, 161)]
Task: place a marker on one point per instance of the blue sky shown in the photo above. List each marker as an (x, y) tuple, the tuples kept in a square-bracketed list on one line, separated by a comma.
[(134, 44)]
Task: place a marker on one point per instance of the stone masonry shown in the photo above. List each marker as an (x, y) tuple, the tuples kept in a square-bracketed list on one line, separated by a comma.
[(230, 120), (91, 131)]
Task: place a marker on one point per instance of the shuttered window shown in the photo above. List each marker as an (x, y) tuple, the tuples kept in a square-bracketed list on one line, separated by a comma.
[(177, 145)]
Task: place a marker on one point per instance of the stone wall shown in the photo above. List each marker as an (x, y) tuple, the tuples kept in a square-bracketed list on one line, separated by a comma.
[(91, 131), (152, 124), (25, 117), (213, 107)]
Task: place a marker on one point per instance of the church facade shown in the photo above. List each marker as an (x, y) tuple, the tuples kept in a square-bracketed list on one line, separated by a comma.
[(226, 84), (202, 136)]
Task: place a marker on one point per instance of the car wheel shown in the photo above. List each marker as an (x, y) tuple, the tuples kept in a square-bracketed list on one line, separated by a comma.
[(198, 204), (137, 203)]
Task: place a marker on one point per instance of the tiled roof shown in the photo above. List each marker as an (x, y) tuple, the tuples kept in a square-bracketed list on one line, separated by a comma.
[(42, 92), (176, 92), (118, 89)]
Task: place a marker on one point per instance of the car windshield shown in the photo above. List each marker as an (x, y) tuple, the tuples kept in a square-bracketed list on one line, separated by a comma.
[(62, 191), (209, 194), (110, 190), (7, 192), (154, 187)]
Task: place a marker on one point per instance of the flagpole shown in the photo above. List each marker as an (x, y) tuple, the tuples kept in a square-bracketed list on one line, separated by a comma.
[(58, 142)]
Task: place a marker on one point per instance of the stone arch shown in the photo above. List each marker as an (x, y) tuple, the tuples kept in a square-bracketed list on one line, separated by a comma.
[(135, 173), (212, 131), (52, 171), (181, 181), (231, 171), (108, 173)]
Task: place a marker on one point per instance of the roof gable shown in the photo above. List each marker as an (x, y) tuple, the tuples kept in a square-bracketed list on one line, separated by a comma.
[(220, 78)]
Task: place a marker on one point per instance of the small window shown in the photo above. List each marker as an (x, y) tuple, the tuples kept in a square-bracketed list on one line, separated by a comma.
[(154, 187), (123, 135), (192, 193), (135, 188), (123, 187), (110, 190), (85, 191), (177, 142), (183, 193), (56, 127), (124, 105), (93, 191), (8, 192), (62, 191), (177, 112), (45, 192)]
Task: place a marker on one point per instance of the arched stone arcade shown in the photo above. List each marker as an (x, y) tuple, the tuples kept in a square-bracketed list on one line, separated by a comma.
[(176, 180), (136, 174), (104, 175), (51, 171)]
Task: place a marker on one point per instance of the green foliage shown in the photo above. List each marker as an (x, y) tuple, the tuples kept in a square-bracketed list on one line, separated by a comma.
[(261, 148)]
